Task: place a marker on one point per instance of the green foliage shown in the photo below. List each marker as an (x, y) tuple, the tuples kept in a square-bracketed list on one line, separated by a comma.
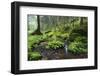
[(64, 36), (55, 30), (54, 44), (54, 33), (78, 46), (79, 31), (72, 37), (34, 55), (34, 40), (81, 39), (57, 35), (44, 36), (54, 39)]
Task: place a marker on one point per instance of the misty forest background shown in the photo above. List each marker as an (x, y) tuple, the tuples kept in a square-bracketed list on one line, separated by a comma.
[(57, 37)]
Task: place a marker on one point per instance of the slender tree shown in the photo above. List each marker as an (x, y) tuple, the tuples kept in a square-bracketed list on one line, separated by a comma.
[(38, 28), (81, 21)]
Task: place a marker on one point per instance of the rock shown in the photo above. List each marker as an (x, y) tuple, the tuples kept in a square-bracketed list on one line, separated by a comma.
[(43, 43)]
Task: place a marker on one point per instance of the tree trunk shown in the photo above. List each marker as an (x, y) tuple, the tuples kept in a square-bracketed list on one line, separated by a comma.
[(81, 21), (38, 28)]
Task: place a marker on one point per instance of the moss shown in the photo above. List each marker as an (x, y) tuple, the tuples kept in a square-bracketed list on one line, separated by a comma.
[(34, 56)]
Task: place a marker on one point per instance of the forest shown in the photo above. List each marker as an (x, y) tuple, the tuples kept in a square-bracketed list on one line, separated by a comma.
[(53, 37)]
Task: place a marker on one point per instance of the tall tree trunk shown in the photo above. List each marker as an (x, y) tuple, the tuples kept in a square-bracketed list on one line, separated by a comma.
[(38, 21), (38, 28), (81, 21)]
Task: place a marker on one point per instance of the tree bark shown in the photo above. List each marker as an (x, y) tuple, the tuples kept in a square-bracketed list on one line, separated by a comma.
[(81, 21), (38, 28)]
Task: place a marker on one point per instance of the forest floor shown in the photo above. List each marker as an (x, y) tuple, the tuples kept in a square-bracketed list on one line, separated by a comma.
[(54, 54)]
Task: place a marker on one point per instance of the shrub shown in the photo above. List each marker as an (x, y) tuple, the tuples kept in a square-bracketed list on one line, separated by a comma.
[(45, 37), (82, 39), (34, 56), (80, 31), (54, 33), (79, 45), (73, 36), (54, 44), (64, 36), (34, 40)]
